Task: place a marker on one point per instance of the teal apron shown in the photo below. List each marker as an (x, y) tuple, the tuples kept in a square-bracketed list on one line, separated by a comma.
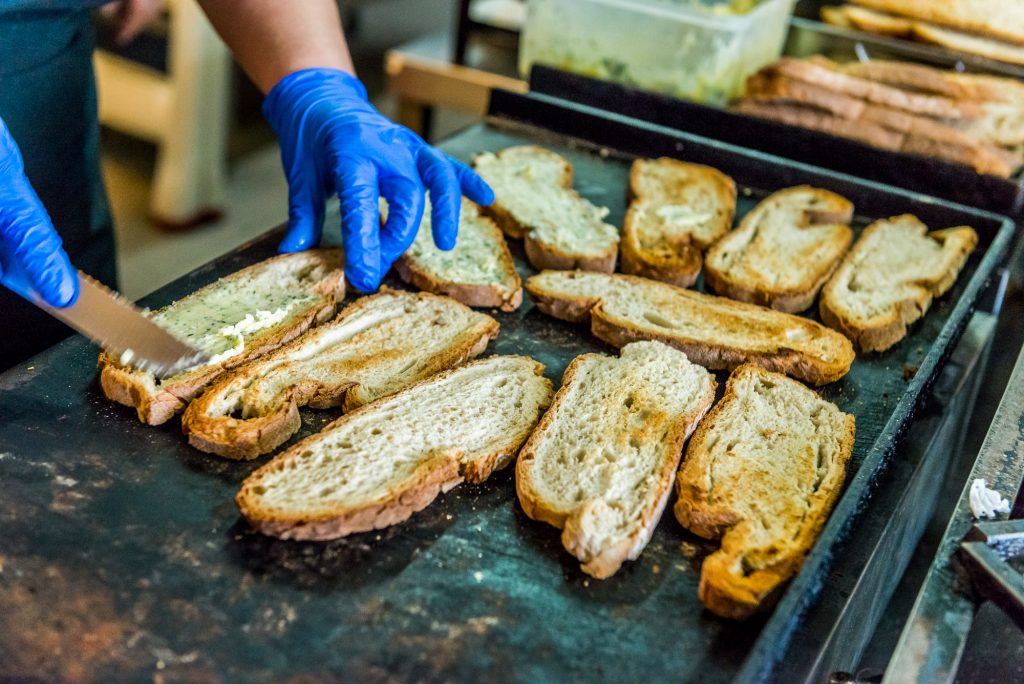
[(48, 100)]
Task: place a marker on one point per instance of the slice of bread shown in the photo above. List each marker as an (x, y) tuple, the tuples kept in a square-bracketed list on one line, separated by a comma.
[(601, 462), (762, 473), (997, 19), (677, 211), (534, 200), (375, 347), (713, 331), (479, 271), (784, 249), (237, 318), (381, 463), (889, 278)]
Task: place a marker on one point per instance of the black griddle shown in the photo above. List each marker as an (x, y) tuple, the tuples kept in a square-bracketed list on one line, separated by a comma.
[(927, 175), (122, 555)]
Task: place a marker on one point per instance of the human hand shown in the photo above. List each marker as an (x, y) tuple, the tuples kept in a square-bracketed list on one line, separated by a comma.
[(334, 141), (32, 261), (131, 16)]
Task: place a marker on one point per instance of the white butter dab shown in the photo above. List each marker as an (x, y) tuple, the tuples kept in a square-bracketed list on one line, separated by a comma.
[(985, 502)]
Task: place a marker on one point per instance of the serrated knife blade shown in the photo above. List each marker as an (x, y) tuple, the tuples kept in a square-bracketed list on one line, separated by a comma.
[(124, 331)]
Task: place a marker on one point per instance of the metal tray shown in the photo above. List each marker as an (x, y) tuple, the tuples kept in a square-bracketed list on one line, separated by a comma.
[(122, 555), (954, 182)]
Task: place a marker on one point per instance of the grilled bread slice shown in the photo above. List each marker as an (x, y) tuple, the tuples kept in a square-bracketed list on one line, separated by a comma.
[(889, 278), (677, 211), (601, 462), (713, 331), (381, 463), (375, 347), (762, 473), (784, 250), (479, 271), (534, 200), (237, 318), (994, 18)]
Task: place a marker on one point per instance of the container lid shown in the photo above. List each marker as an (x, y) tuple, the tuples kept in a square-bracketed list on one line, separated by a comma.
[(718, 11)]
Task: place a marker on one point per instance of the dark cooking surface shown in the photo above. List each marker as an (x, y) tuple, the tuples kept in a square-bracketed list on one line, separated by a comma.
[(122, 554)]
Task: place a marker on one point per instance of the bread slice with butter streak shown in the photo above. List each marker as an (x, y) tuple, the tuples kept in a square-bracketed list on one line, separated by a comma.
[(677, 211), (762, 473), (715, 332), (238, 318), (381, 463), (784, 250), (479, 271), (375, 347), (600, 464), (534, 200), (889, 278)]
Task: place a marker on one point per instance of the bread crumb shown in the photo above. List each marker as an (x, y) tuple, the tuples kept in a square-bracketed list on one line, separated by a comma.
[(478, 576), (909, 372), (688, 550), (656, 569)]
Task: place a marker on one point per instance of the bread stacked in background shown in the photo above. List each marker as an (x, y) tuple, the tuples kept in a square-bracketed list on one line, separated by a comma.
[(976, 121), (988, 28)]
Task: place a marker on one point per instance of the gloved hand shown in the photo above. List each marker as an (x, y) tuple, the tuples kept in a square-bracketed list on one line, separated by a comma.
[(32, 261), (334, 141)]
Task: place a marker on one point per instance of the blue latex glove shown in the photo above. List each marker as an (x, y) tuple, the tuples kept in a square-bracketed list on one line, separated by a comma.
[(334, 141), (32, 262)]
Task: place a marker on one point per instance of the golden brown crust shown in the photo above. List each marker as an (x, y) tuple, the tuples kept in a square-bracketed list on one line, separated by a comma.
[(438, 473), (674, 261), (540, 254), (157, 402), (834, 211), (994, 18), (608, 561), (619, 333), (210, 430), (882, 333), (491, 295), (722, 590)]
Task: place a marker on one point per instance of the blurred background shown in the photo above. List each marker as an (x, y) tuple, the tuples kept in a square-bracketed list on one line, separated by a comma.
[(190, 177)]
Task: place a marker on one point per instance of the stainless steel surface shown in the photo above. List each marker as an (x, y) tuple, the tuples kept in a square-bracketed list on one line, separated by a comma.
[(120, 327), (932, 641)]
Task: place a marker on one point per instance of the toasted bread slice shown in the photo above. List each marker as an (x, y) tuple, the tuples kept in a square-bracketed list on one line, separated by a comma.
[(381, 463), (784, 250), (677, 211), (828, 75), (375, 347), (534, 200), (713, 331), (762, 473), (601, 462), (479, 271), (996, 19), (237, 318), (889, 278)]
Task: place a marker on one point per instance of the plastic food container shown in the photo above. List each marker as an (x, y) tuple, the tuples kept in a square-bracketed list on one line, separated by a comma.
[(700, 50)]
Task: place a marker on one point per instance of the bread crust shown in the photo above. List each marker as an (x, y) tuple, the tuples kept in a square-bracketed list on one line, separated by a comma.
[(156, 403), (619, 333), (492, 295), (681, 263), (881, 333), (436, 474), (214, 432), (722, 590), (970, 16), (475, 295), (835, 211), (541, 254), (609, 559)]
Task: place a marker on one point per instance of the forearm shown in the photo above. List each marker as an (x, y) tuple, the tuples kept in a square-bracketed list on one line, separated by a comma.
[(273, 38)]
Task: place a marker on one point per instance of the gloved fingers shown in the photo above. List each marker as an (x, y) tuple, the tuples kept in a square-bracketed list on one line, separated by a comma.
[(357, 187), (445, 195), (405, 197), (305, 213), (33, 257), (473, 186)]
